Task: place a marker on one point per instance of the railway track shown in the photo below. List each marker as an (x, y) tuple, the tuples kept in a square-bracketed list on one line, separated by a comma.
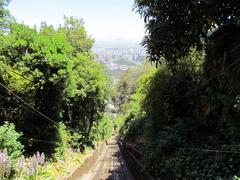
[(110, 165), (115, 167)]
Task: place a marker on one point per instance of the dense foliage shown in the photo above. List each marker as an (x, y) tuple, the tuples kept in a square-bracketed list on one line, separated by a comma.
[(4, 15), (185, 127), (49, 75), (173, 26), (10, 140), (53, 97), (184, 117)]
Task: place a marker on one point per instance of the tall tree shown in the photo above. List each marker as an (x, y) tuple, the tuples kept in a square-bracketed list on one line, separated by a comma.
[(77, 35), (56, 76), (4, 14), (173, 26)]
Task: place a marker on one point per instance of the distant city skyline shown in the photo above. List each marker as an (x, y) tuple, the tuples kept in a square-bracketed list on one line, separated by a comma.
[(119, 59), (108, 20)]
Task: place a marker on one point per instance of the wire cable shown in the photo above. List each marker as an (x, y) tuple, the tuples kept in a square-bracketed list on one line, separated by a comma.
[(28, 104), (211, 150), (32, 139), (33, 110), (39, 140), (24, 77), (210, 79), (215, 76), (20, 105)]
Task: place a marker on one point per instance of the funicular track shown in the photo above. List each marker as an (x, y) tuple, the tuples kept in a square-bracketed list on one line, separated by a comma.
[(133, 158)]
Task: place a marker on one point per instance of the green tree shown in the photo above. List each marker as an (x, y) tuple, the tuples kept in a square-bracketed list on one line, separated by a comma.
[(173, 27), (128, 83), (55, 76), (10, 140), (77, 35), (54, 71), (4, 14)]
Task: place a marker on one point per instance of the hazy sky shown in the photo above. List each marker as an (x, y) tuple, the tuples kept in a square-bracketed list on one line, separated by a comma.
[(104, 19)]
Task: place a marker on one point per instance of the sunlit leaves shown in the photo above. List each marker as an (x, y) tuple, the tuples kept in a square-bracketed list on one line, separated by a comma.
[(173, 27), (55, 70)]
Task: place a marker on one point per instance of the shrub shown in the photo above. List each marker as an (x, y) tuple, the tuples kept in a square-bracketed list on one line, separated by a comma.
[(64, 138), (77, 141), (119, 122), (102, 130), (9, 140)]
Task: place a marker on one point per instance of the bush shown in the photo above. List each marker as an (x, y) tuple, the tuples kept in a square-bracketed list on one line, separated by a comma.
[(119, 122), (9, 140), (64, 138), (77, 141), (102, 130)]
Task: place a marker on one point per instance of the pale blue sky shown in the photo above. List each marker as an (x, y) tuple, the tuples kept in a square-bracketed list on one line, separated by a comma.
[(104, 19)]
